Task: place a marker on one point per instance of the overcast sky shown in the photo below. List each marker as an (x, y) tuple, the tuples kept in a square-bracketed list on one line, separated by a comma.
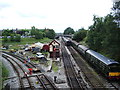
[(53, 14)]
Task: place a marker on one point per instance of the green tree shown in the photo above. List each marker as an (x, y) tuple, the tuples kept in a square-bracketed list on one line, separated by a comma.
[(112, 38), (7, 32), (96, 34), (103, 36), (50, 33), (33, 30), (68, 31), (38, 35), (79, 35), (5, 39), (116, 12), (17, 38), (12, 38)]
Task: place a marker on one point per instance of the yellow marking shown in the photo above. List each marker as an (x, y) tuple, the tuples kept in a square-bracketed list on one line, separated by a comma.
[(114, 73)]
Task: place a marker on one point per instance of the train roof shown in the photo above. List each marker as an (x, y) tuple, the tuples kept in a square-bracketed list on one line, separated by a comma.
[(102, 58), (76, 43), (83, 47), (66, 39)]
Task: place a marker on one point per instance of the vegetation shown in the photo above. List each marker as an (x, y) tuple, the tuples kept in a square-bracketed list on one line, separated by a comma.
[(50, 33), (104, 34), (40, 33), (68, 31), (54, 67), (0, 75), (15, 35), (3, 74), (24, 41), (80, 35)]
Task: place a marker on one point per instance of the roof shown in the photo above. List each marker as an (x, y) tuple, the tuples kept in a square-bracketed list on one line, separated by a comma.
[(102, 58), (54, 41), (83, 47), (38, 44), (66, 39), (74, 42)]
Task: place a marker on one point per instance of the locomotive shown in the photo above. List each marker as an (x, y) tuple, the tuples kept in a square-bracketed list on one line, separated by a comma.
[(108, 67), (67, 41)]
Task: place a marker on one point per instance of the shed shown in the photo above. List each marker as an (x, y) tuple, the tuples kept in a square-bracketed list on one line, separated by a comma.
[(38, 44), (45, 48)]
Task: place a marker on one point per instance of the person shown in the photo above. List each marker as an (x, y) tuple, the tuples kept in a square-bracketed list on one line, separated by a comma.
[(25, 62), (28, 59), (30, 71)]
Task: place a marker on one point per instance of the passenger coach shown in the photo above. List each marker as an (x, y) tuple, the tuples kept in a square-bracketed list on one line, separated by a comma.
[(82, 49), (109, 67)]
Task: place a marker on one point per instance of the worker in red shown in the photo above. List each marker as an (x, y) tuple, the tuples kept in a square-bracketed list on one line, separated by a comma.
[(30, 71)]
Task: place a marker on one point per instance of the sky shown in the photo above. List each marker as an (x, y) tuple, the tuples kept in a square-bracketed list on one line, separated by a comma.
[(52, 14)]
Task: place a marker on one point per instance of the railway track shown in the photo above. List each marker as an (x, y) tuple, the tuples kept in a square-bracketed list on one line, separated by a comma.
[(74, 81), (28, 64), (26, 83), (90, 77), (46, 82), (30, 82), (43, 82)]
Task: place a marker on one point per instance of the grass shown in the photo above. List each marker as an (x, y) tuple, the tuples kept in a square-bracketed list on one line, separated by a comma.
[(35, 61), (0, 75), (24, 41), (47, 63), (3, 73), (54, 67), (0, 42)]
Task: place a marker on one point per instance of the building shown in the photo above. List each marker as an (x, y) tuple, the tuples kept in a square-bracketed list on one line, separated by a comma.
[(54, 49), (45, 48)]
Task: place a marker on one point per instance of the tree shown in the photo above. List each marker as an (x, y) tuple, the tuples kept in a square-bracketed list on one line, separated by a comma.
[(12, 37), (68, 31), (50, 33), (17, 38), (112, 38), (7, 32), (33, 30), (5, 39), (79, 35), (38, 35), (103, 36), (95, 35), (116, 12)]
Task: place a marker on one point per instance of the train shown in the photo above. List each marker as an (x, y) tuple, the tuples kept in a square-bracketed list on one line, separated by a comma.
[(108, 67), (67, 41)]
